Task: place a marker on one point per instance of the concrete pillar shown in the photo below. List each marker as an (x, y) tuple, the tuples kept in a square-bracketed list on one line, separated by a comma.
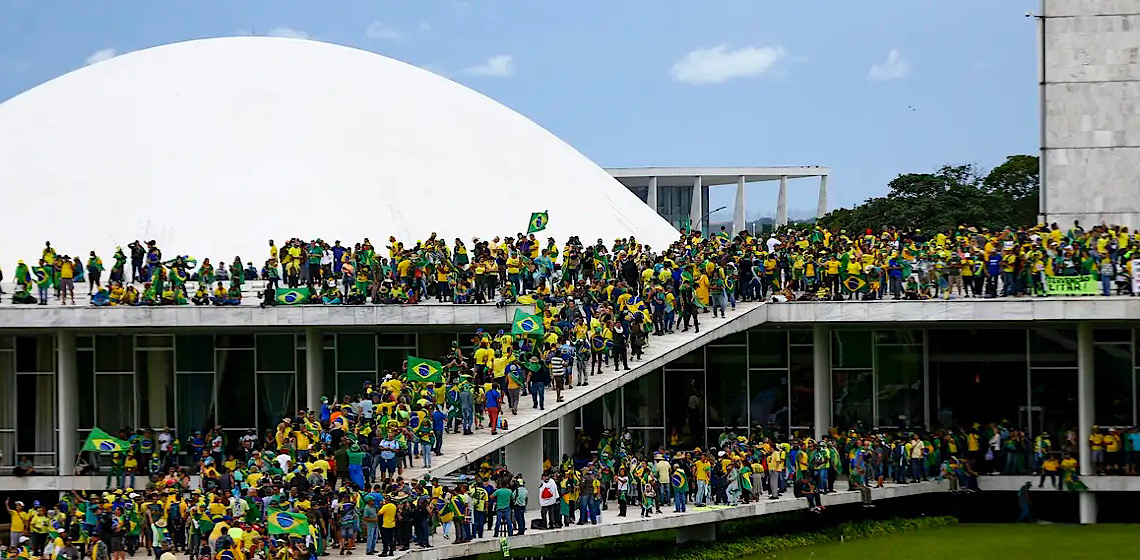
[(782, 203), (821, 346), (821, 206), (651, 198), (697, 206), (160, 374), (525, 456), (567, 436), (738, 210), (1086, 415), (67, 406), (705, 532), (314, 368), (1085, 404)]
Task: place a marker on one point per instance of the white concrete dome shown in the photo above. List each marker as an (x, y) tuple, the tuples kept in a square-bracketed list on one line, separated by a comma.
[(212, 147)]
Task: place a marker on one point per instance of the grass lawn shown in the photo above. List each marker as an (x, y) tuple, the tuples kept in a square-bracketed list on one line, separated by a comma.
[(1006, 542)]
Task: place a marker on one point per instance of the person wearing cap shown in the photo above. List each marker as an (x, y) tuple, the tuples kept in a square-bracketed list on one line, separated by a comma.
[(20, 520)]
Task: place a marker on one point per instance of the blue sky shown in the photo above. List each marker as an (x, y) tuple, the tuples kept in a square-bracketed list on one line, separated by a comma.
[(870, 89)]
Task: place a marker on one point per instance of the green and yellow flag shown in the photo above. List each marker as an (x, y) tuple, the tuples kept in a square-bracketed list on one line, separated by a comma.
[(854, 284), (538, 221), (525, 323), (424, 371), (285, 523), (43, 275), (102, 442), (292, 296)]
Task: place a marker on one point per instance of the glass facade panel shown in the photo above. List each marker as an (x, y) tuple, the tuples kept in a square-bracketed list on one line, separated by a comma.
[(8, 406), (275, 352), (767, 349), (435, 345), (35, 415), (1053, 401), (685, 407), (1112, 367), (977, 375), (1053, 347), (1112, 335), (644, 440), (851, 349), (643, 401), (853, 393), (728, 386), (802, 376), (402, 340), (768, 399), (899, 373), (155, 387), (115, 403), (692, 360), (114, 354), (194, 353), (352, 383), (85, 370), (237, 341), (236, 397), (391, 360), (34, 354), (195, 407), (356, 352), (276, 398)]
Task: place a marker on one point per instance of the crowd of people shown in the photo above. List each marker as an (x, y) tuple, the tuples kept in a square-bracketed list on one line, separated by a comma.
[(793, 263)]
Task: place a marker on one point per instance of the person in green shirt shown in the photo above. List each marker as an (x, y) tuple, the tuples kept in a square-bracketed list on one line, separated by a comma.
[(502, 499)]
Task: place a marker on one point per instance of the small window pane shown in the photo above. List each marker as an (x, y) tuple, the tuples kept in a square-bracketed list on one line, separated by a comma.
[(406, 340), (34, 354), (767, 349), (114, 354), (194, 353), (236, 404), (355, 352), (275, 352), (851, 349)]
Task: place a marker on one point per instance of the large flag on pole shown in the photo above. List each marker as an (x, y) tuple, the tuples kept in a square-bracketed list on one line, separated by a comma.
[(102, 442), (538, 221), (424, 371), (525, 323), (285, 523)]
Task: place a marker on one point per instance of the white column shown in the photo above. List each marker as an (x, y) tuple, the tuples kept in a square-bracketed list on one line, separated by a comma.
[(696, 206), (651, 198), (67, 411), (314, 368), (1085, 405), (782, 203), (821, 346), (567, 436), (821, 206), (525, 456), (738, 210), (1086, 415)]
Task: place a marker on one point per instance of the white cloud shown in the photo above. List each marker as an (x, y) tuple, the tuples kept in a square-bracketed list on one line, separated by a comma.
[(288, 32), (381, 32), (425, 26), (101, 55), (893, 68), (501, 65), (713, 65)]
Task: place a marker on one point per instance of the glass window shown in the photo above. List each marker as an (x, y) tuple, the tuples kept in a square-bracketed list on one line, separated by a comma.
[(852, 392), (1112, 367), (355, 352), (692, 360), (801, 337), (898, 337), (115, 403), (1054, 401), (195, 402), (155, 341), (34, 354), (35, 415), (194, 352), (353, 383), (391, 360), (851, 349), (241, 341), (328, 368), (155, 386), (802, 376), (1112, 335), (768, 400), (1053, 347), (276, 398), (8, 397), (643, 401), (401, 340), (767, 349), (899, 373), (644, 440), (114, 354), (435, 345), (275, 352), (85, 370), (685, 407), (236, 404), (977, 345), (734, 338), (728, 386)]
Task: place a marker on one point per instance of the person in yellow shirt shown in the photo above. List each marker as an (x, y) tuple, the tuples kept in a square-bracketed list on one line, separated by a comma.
[(19, 521), (1051, 467), (1096, 444), (702, 472), (1112, 451)]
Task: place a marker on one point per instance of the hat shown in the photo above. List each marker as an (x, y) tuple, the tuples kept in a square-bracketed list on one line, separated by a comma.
[(24, 538)]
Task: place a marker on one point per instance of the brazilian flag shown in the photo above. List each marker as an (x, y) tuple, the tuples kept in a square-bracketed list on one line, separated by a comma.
[(538, 221), (292, 296), (424, 371), (102, 442), (285, 523), (525, 323), (854, 284), (43, 275)]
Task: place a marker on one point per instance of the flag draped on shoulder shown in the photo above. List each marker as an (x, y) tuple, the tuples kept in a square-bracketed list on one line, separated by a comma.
[(102, 442), (525, 323), (285, 523), (424, 371), (538, 221)]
